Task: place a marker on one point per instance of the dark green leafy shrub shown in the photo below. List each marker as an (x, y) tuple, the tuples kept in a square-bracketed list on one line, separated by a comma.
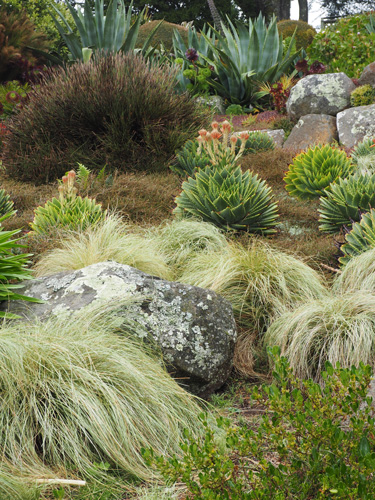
[(362, 95), (344, 46), (69, 211), (99, 113), (360, 239), (312, 172), (304, 35), (313, 442), (229, 199), (345, 202)]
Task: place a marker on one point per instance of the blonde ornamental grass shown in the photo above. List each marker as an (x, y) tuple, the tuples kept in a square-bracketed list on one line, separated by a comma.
[(108, 240), (357, 275), (260, 282), (80, 391), (335, 329)]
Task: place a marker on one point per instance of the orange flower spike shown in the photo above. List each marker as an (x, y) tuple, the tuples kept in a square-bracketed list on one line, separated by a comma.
[(208, 137), (244, 136), (215, 125), (202, 132), (233, 142), (373, 146), (215, 134), (226, 126)]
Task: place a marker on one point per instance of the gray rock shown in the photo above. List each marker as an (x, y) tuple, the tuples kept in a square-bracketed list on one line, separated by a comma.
[(320, 94), (310, 130), (355, 124), (215, 102), (368, 75), (194, 327)]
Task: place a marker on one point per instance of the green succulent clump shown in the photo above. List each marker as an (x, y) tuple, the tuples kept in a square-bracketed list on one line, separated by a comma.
[(6, 205), (345, 201), (360, 239), (229, 199), (257, 143), (312, 172), (362, 149), (68, 211), (188, 160), (362, 95)]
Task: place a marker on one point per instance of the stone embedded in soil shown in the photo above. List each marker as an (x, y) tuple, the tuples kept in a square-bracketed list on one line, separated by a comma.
[(193, 327), (368, 75), (310, 130), (320, 94), (355, 124)]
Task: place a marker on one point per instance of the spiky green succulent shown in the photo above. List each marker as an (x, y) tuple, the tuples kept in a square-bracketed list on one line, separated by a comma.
[(229, 199), (346, 201), (257, 143), (312, 172), (73, 214), (6, 205), (360, 239), (188, 160), (363, 149)]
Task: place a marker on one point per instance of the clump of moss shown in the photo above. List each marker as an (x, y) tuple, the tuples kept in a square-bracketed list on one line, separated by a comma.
[(304, 35), (362, 95)]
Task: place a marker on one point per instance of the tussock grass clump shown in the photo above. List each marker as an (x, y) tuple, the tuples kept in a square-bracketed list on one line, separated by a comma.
[(358, 274), (260, 282), (181, 240), (108, 240), (335, 329), (75, 393), (98, 113)]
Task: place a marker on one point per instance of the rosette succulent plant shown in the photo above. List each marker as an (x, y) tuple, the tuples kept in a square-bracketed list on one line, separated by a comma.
[(69, 211), (364, 148), (360, 239), (229, 199), (212, 148), (312, 172), (346, 201), (6, 205), (256, 143)]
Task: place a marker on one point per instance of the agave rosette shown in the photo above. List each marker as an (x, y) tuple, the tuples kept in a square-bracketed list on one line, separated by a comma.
[(346, 201), (312, 172), (229, 199), (360, 239)]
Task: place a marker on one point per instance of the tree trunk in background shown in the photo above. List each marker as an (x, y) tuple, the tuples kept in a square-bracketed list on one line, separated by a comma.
[(215, 16), (303, 10), (281, 9)]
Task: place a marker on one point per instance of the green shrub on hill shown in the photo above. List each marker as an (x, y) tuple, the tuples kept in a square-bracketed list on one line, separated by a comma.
[(344, 46), (163, 36), (304, 35)]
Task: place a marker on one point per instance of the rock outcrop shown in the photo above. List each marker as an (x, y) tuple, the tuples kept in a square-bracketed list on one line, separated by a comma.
[(354, 124), (193, 327), (311, 130)]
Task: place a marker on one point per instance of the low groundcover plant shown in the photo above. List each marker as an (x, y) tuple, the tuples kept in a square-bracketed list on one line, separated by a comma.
[(313, 442)]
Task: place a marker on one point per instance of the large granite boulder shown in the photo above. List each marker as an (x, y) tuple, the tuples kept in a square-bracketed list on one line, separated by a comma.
[(320, 94), (311, 130), (194, 327), (368, 75), (355, 124)]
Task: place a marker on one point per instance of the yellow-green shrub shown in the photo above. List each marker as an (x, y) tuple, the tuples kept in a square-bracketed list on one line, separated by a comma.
[(304, 35), (164, 35), (362, 95)]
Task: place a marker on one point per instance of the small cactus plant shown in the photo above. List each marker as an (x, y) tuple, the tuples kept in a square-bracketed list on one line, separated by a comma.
[(312, 172), (346, 201), (69, 211), (230, 199)]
